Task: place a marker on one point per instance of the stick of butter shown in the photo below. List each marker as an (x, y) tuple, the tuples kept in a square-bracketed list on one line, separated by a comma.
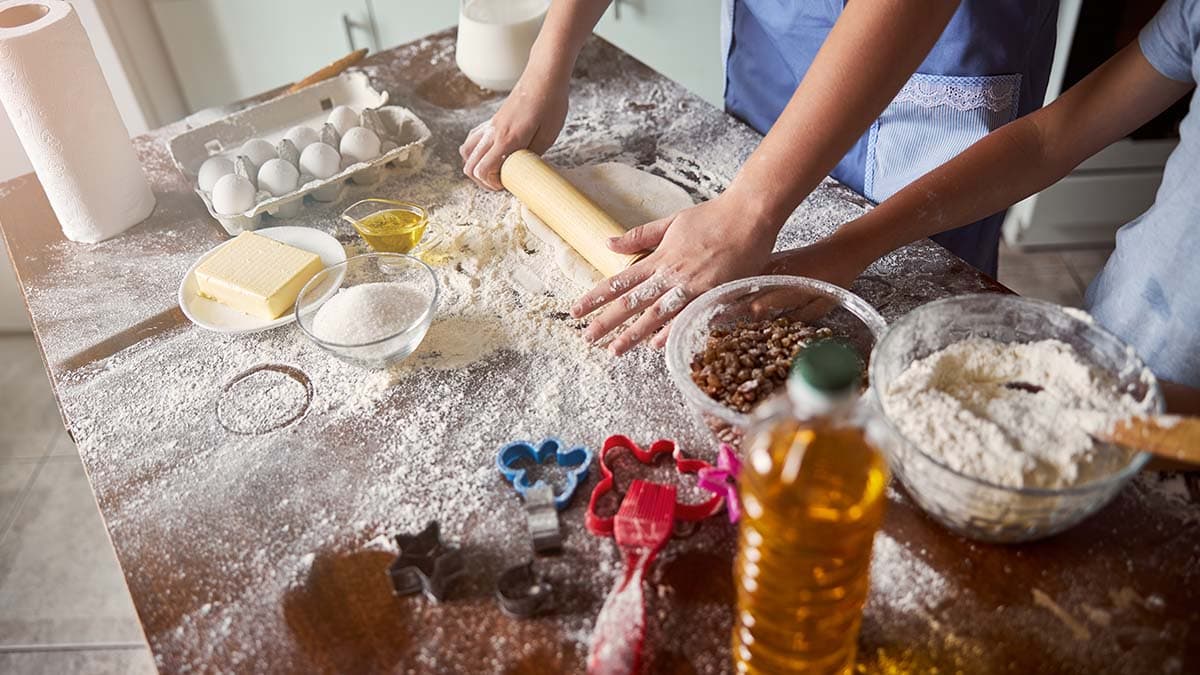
[(256, 275)]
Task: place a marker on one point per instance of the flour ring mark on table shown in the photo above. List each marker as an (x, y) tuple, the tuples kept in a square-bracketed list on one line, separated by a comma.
[(263, 399)]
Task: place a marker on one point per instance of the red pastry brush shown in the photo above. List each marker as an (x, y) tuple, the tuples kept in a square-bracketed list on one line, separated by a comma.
[(642, 527)]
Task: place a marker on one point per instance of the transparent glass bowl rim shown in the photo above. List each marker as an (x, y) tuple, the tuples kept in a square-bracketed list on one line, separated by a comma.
[(345, 264), (678, 364), (1096, 485)]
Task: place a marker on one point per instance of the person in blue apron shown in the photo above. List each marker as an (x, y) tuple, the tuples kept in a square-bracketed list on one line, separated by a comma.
[(990, 66), (873, 92)]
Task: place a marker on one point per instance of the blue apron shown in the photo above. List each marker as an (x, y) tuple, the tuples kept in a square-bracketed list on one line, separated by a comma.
[(990, 66)]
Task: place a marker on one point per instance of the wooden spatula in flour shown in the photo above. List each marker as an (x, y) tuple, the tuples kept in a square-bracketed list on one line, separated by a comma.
[(1168, 436)]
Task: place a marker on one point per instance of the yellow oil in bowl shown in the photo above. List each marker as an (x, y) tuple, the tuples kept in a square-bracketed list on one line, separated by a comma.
[(388, 226)]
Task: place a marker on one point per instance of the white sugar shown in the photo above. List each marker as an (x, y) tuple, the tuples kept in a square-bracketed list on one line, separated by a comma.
[(369, 312)]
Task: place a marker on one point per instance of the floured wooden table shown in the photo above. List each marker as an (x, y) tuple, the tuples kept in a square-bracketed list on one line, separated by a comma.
[(251, 508)]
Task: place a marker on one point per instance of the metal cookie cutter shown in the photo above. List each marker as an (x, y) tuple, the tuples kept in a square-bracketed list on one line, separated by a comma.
[(541, 503), (523, 593), (602, 526), (425, 564), (542, 518)]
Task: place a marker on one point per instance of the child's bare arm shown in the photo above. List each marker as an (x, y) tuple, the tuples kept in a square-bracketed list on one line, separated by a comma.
[(1013, 162)]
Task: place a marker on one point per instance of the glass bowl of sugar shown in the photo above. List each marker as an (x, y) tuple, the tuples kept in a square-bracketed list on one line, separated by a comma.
[(990, 408), (371, 310)]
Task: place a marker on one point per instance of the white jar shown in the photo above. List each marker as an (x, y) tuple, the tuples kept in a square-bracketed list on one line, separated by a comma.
[(494, 39)]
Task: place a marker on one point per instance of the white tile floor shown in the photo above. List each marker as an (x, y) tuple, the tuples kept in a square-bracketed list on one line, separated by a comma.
[(64, 607)]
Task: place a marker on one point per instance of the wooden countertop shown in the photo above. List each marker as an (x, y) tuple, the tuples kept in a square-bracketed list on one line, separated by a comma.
[(266, 552)]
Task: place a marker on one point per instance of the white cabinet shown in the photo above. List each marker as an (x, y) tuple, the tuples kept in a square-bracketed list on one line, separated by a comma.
[(400, 21), (224, 50), (679, 38)]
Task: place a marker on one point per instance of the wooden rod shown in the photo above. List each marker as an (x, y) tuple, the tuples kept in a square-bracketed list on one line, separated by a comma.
[(578, 220), (335, 68)]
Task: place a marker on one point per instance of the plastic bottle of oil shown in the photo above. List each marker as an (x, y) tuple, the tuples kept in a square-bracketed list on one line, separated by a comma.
[(812, 490)]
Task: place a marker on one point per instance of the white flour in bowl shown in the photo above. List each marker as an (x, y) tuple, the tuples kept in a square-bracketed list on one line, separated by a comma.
[(1018, 415)]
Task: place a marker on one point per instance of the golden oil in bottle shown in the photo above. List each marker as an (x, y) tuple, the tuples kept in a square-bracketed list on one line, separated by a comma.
[(392, 230), (813, 496)]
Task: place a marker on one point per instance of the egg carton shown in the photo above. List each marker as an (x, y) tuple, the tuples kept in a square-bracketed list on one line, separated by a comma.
[(309, 107)]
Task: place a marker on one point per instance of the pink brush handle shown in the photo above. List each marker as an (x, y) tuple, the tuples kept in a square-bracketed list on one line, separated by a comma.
[(621, 625)]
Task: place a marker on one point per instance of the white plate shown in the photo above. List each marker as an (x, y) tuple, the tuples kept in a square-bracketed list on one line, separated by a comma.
[(214, 316)]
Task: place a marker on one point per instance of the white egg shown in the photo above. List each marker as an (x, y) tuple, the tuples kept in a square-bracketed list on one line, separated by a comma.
[(212, 169), (302, 136), (258, 150), (233, 194), (320, 160), (360, 144), (278, 177), (343, 118)]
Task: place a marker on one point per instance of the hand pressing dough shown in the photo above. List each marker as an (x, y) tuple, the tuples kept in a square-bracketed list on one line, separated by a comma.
[(631, 196)]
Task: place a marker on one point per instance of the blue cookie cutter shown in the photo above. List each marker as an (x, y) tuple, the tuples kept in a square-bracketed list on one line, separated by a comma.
[(577, 460)]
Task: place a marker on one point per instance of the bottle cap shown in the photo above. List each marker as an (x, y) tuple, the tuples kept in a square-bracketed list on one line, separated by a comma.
[(830, 367)]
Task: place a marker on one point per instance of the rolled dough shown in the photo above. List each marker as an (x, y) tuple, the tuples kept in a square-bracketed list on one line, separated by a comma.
[(631, 196)]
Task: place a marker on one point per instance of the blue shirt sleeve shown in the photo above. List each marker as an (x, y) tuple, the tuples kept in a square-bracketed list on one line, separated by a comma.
[(1169, 41)]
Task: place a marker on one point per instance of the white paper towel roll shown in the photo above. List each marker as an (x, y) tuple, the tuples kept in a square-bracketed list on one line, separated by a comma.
[(65, 116)]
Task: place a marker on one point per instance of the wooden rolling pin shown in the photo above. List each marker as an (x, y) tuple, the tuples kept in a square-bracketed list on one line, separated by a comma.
[(578, 220), (335, 68), (1170, 437)]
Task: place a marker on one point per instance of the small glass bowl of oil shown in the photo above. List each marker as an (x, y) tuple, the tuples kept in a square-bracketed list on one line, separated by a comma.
[(388, 226)]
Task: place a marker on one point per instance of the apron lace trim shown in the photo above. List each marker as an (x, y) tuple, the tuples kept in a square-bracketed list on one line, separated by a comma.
[(997, 93)]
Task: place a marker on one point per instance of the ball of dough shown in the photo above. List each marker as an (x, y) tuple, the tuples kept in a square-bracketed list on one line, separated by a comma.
[(278, 177), (343, 118), (302, 136), (212, 169), (258, 150), (320, 160), (233, 194), (360, 144)]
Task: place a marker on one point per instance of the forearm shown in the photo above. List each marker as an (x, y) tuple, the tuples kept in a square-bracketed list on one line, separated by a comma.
[(566, 28), (998, 171), (1019, 159), (843, 92)]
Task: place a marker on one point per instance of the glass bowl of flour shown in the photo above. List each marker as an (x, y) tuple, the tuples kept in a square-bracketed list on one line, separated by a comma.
[(371, 310), (990, 406)]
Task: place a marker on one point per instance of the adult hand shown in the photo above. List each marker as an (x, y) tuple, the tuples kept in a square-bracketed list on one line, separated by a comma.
[(695, 250), (530, 117)]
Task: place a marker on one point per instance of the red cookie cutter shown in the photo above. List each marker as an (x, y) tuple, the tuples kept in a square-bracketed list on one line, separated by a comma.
[(602, 526)]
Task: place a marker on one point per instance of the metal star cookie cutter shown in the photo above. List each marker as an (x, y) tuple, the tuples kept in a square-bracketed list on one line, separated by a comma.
[(523, 593), (576, 460), (602, 526), (425, 564)]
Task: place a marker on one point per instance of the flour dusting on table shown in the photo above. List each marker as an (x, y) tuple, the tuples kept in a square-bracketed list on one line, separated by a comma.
[(373, 453)]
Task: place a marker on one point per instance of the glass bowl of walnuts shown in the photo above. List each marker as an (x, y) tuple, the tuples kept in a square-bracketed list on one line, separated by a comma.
[(732, 348)]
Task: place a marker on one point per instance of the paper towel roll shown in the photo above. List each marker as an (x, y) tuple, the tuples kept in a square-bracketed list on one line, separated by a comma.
[(65, 116)]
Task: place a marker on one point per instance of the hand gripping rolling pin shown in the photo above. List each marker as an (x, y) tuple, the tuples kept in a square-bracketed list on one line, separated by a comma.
[(578, 220)]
